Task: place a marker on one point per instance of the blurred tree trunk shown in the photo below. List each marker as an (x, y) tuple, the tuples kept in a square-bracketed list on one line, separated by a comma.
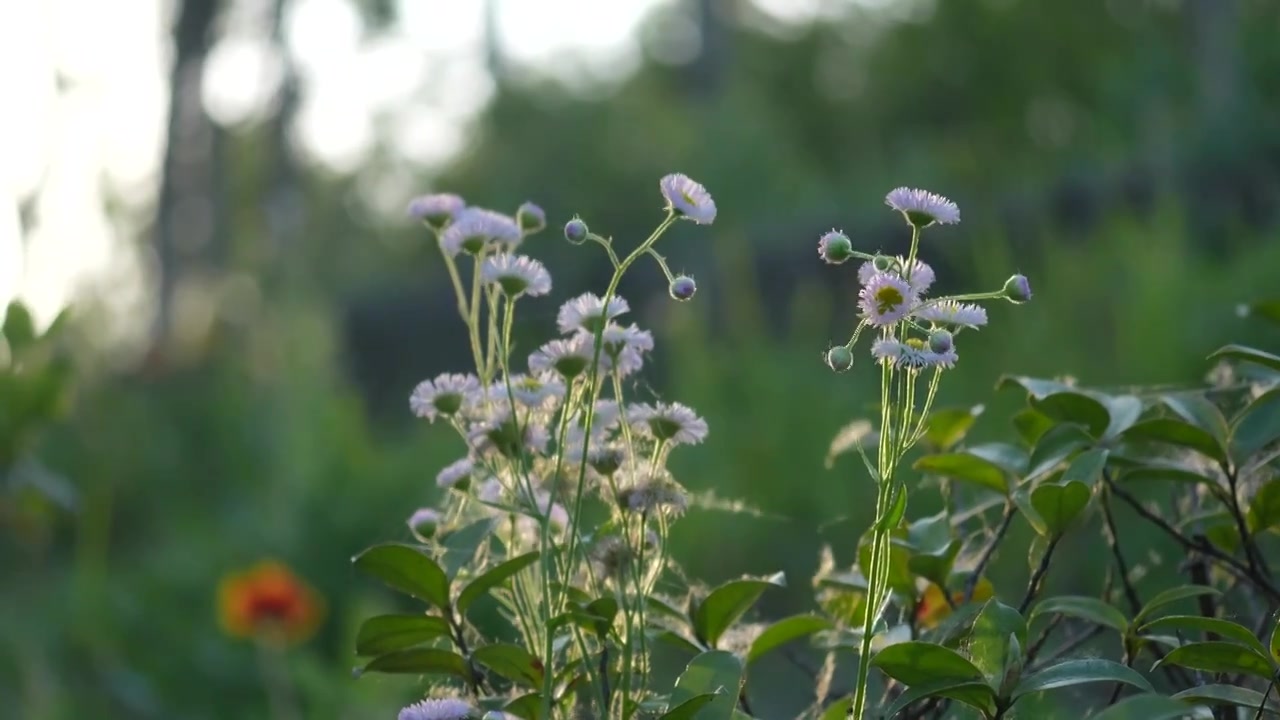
[(184, 189)]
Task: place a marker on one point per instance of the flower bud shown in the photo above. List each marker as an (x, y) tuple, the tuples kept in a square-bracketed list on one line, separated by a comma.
[(575, 231), (423, 523), (683, 288), (940, 342), (840, 358), (835, 247), (1017, 289), (882, 263), (531, 218)]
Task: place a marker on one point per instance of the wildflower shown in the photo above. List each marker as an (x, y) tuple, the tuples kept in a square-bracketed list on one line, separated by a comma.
[(532, 391), (570, 358), (517, 275), (839, 358), (475, 229), (268, 600), (500, 433), (886, 299), (575, 231), (688, 198), (605, 459), (835, 247), (683, 288), (922, 208), (920, 278), (422, 523), (653, 493), (1017, 289), (456, 475), (530, 218), (950, 312), (442, 396), (672, 422), (624, 348), (612, 556), (587, 312), (437, 709), (940, 341), (913, 354), (437, 209)]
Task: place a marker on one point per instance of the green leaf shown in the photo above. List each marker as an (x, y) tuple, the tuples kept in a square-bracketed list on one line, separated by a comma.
[(724, 605), (1124, 411), (1257, 426), (1172, 431), (385, 633), (1170, 596), (511, 662), (526, 707), (1060, 505), (948, 426), (1031, 425), (1078, 672), (19, 328), (1075, 406), (1199, 623), (1057, 445), (419, 661), (897, 510), (1083, 608), (974, 693), (1226, 695), (1165, 471), (935, 568), (486, 582), (1086, 467), (1248, 354), (600, 614), (1022, 499), (1198, 410), (1274, 645), (1011, 458), (688, 709), (919, 663), (460, 546), (784, 631), (1266, 309), (715, 672), (1219, 657), (965, 467), (1264, 509), (989, 639), (1151, 707), (406, 569), (679, 641)]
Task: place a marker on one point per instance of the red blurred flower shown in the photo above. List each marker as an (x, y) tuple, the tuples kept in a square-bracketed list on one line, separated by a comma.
[(268, 601)]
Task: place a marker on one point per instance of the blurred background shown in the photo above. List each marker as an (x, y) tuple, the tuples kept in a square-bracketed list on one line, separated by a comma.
[(217, 189)]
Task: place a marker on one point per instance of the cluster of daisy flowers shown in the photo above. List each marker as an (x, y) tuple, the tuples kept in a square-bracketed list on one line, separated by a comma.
[(915, 332)]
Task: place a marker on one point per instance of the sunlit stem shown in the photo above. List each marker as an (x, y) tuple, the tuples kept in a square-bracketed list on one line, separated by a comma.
[(473, 321), (662, 263), (608, 247)]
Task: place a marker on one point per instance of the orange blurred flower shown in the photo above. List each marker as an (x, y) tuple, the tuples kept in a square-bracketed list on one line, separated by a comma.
[(269, 602), (933, 608)]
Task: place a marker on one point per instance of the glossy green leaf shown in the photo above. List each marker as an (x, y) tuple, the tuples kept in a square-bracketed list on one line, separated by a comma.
[(1057, 445), (494, 577), (724, 605), (919, 663), (900, 577), (419, 661), (1170, 596), (1174, 624), (1257, 426), (19, 328), (1079, 672), (688, 709), (1219, 657), (408, 570), (1022, 498), (897, 510), (715, 672), (599, 614), (1227, 695), (526, 707), (1060, 505), (1152, 707), (511, 662), (1075, 406), (385, 633), (1274, 645), (989, 639), (1195, 408), (1264, 508), (1164, 471), (974, 693), (1031, 425), (461, 545), (1248, 354), (1123, 411), (678, 641), (1174, 431), (935, 567), (1084, 608), (965, 467), (1011, 458), (1086, 467), (785, 631), (948, 426)]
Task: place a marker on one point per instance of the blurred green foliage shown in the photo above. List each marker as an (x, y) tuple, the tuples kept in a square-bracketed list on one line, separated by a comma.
[(1123, 155)]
